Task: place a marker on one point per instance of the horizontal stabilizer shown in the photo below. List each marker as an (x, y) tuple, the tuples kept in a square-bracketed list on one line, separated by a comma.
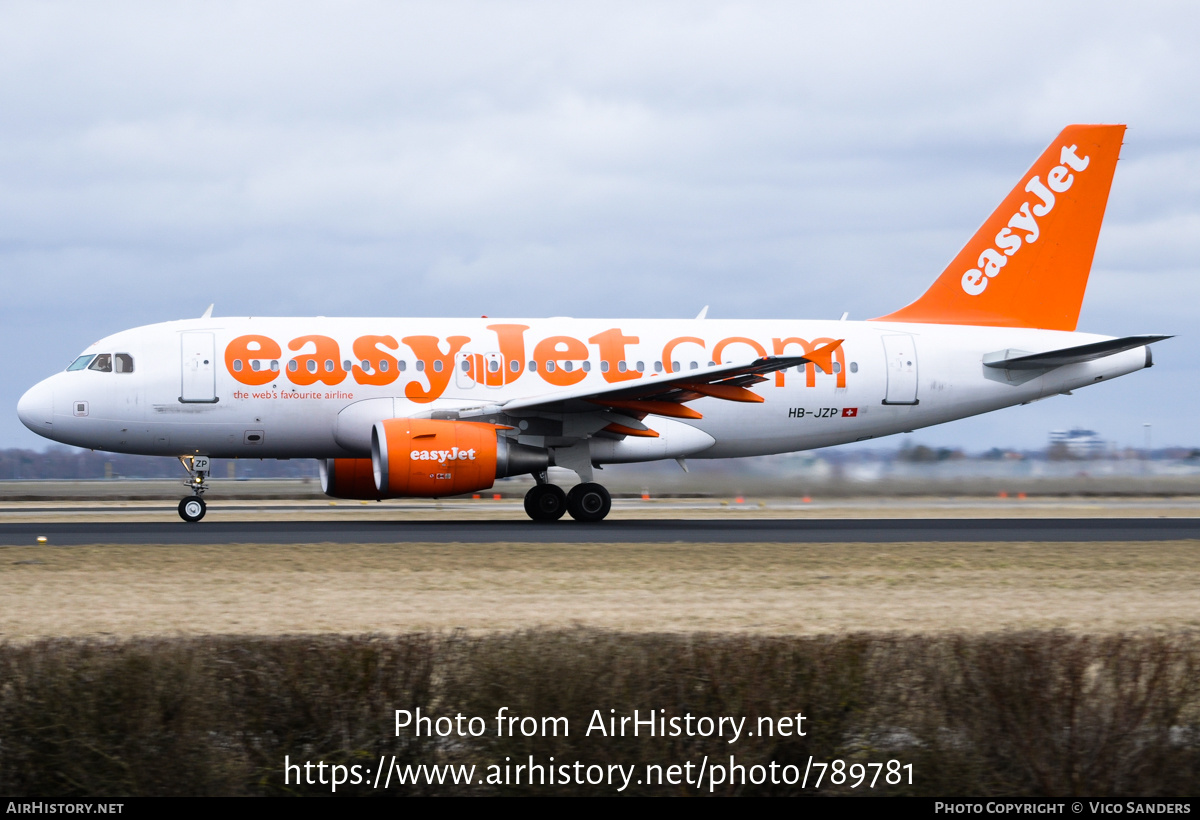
[(1019, 360)]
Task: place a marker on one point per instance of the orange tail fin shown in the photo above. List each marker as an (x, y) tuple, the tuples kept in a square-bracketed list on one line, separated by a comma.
[(1028, 265)]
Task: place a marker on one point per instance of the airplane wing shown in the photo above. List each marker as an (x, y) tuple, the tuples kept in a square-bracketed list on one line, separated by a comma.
[(666, 394)]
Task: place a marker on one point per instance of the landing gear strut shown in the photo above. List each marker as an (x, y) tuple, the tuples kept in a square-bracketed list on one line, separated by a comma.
[(192, 508)]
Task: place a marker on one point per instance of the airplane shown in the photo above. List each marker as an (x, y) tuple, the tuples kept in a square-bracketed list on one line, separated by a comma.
[(426, 407)]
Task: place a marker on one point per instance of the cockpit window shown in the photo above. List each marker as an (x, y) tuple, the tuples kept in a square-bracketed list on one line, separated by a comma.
[(81, 362), (103, 363), (124, 363)]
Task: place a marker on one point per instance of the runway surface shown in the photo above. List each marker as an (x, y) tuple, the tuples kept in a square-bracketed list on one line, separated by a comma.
[(662, 531)]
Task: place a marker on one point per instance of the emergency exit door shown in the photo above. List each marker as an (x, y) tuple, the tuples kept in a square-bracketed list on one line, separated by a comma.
[(900, 353), (199, 382)]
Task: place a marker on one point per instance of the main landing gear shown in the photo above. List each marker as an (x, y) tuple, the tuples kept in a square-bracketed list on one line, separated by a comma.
[(585, 502), (192, 508)]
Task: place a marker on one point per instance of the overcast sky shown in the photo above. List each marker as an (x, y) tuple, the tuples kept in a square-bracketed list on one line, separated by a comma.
[(773, 160)]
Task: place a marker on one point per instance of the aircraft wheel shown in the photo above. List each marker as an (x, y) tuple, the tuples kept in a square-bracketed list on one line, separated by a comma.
[(545, 502), (192, 509), (588, 502)]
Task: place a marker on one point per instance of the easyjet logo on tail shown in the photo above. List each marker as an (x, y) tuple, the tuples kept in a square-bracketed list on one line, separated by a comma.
[(1025, 220)]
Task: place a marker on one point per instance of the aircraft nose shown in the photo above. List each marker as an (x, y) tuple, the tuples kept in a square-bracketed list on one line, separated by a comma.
[(36, 408)]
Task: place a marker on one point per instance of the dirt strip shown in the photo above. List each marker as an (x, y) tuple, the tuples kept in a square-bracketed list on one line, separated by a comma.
[(122, 590)]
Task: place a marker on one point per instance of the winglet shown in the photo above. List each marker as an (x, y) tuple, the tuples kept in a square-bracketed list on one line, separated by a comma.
[(822, 357), (1028, 265), (208, 313)]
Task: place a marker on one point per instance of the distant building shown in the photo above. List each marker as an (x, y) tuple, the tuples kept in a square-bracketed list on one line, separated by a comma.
[(1077, 443)]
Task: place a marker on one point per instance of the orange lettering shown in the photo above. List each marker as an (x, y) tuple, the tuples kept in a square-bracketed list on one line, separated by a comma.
[(366, 349), (245, 349), (612, 351), (736, 340), (322, 365), (669, 350), (559, 349), (512, 349), (438, 365)]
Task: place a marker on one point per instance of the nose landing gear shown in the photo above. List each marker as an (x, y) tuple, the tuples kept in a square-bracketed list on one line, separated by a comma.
[(192, 508)]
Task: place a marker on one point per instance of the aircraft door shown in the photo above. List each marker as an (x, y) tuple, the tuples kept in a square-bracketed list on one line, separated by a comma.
[(494, 363), (471, 369), (199, 367), (900, 353)]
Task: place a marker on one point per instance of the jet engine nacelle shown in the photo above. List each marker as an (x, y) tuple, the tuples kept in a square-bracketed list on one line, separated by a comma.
[(433, 458), (349, 478)]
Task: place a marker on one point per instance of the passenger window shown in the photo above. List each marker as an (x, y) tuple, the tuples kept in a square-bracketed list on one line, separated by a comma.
[(514, 365), (103, 363), (587, 367), (621, 366), (81, 362), (124, 363), (466, 365), (292, 365), (274, 366), (383, 365), (641, 367), (437, 365)]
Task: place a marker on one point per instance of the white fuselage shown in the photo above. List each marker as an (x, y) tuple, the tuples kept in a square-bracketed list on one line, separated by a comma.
[(196, 388)]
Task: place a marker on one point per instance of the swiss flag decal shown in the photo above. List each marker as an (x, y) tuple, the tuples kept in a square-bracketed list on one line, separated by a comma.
[(849, 412)]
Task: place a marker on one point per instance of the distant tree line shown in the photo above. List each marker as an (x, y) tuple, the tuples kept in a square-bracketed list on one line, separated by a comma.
[(72, 463)]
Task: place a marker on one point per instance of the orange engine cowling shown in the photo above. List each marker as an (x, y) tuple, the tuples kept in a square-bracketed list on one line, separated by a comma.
[(349, 478), (433, 458)]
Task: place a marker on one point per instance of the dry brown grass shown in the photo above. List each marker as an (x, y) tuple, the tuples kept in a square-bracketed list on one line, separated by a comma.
[(1028, 713), (122, 590)]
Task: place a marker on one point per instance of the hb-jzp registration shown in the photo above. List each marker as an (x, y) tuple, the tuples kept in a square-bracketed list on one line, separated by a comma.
[(437, 407)]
